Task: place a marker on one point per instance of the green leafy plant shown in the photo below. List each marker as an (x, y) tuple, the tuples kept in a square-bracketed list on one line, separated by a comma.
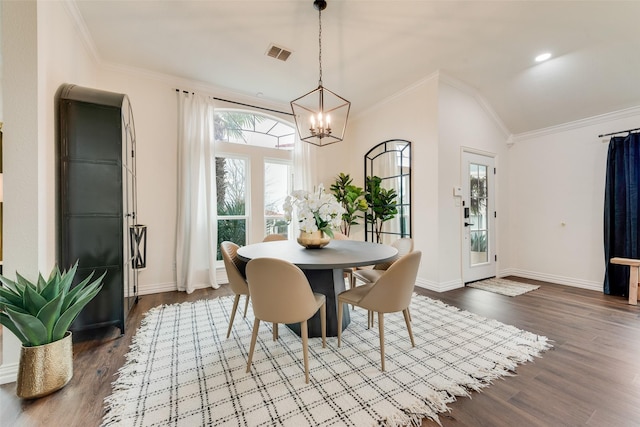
[(41, 313), (352, 200), (382, 204)]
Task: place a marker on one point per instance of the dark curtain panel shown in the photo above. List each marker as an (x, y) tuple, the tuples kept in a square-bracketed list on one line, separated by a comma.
[(621, 208)]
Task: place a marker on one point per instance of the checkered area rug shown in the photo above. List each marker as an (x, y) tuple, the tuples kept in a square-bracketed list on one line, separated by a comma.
[(503, 286), (181, 371)]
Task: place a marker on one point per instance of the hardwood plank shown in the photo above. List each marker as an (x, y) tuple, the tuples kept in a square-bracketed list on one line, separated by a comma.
[(590, 377)]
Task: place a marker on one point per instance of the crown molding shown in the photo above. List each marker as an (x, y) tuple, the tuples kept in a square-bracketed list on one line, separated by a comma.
[(577, 124), (72, 8)]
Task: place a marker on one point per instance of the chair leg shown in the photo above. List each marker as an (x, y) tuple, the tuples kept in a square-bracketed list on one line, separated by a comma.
[(323, 324), (381, 329), (407, 320), (246, 305), (305, 349), (340, 304), (275, 332), (254, 337), (233, 313)]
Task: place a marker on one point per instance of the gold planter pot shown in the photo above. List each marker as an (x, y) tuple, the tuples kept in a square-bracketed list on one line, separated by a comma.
[(315, 240), (45, 368)]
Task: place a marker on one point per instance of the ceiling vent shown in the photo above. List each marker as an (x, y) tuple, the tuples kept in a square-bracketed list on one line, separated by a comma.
[(278, 52)]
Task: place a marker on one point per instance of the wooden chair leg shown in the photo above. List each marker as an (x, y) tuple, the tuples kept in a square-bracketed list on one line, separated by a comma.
[(407, 320), (381, 331), (233, 313), (254, 337), (323, 324), (305, 349), (246, 306), (275, 332), (340, 304), (409, 313)]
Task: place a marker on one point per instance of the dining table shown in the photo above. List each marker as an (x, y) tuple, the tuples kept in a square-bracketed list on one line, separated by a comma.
[(324, 269)]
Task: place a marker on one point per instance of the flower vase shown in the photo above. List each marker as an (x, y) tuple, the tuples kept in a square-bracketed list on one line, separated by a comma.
[(314, 240)]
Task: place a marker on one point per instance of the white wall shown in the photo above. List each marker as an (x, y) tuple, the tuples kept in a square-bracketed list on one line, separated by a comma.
[(41, 51), (556, 194), (412, 115), (465, 121)]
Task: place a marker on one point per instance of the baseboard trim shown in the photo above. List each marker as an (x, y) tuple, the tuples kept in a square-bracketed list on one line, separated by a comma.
[(439, 287), (157, 288), (8, 373), (551, 278)]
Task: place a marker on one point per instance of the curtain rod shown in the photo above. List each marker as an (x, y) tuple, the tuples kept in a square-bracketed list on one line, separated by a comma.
[(243, 104), (620, 131)]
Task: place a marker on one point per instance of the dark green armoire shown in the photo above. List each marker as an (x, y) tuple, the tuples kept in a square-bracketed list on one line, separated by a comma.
[(96, 199)]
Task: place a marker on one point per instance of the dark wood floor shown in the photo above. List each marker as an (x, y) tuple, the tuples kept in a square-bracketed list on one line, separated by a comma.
[(591, 377)]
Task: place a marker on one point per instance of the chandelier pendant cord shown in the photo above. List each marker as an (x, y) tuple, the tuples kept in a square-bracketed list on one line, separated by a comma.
[(320, 44)]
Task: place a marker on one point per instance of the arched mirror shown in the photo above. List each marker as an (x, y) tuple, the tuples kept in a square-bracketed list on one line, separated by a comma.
[(387, 172)]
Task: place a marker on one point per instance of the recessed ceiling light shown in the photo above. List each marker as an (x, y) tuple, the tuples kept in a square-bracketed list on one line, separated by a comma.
[(543, 57)]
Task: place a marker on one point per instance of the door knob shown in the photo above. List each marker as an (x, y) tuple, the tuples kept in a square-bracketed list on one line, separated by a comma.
[(466, 224)]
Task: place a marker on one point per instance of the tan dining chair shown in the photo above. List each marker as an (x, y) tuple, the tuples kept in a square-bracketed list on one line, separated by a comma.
[(235, 269), (280, 293), (389, 294), (274, 237), (404, 246)]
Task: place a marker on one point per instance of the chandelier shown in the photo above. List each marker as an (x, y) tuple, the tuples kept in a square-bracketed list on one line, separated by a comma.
[(320, 115)]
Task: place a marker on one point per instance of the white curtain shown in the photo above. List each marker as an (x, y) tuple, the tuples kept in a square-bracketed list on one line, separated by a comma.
[(304, 165), (197, 232), (304, 172)]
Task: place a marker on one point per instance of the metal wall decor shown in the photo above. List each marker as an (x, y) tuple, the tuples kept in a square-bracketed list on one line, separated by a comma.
[(138, 240)]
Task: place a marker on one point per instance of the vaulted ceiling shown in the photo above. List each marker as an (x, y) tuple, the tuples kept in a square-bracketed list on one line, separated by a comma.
[(375, 48)]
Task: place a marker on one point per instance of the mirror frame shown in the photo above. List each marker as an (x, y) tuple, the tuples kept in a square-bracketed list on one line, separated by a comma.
[(389, 147)]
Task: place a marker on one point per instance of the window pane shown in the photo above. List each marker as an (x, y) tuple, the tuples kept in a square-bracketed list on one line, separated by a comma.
[(232, 230), (277, 226), (277, 184), (231, 178), (247, 128)]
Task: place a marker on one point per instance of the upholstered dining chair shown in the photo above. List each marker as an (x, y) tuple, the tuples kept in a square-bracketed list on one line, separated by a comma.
[(274, 237), (404, 246), (389, 294), (280, 293), (235, 269)]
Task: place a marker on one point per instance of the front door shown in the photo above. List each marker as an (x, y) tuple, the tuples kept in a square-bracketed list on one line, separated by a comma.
[(478, 219)]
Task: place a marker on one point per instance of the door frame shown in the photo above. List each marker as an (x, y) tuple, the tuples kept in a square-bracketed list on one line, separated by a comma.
[(471, 273)]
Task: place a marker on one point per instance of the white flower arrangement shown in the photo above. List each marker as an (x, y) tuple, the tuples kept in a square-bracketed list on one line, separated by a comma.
[(317, 211)]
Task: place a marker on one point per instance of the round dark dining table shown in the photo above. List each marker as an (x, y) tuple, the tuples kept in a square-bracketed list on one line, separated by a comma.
[(324, 269)]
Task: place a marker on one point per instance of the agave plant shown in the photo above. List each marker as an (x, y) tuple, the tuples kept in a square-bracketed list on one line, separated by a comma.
[(40, 313)]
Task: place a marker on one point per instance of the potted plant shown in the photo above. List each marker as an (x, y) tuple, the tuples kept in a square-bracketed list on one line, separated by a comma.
[(40, 314), (382, 204), (352, 200)]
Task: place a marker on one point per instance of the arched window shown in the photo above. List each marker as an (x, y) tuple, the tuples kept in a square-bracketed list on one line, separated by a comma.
[(253, 174)]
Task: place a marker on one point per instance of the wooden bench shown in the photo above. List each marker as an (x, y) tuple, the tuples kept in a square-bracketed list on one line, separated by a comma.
[(634, 267)]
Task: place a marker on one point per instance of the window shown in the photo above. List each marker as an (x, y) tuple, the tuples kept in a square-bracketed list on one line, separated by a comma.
[(277, 185), (231, 189), (253, 174), (242, 127)]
